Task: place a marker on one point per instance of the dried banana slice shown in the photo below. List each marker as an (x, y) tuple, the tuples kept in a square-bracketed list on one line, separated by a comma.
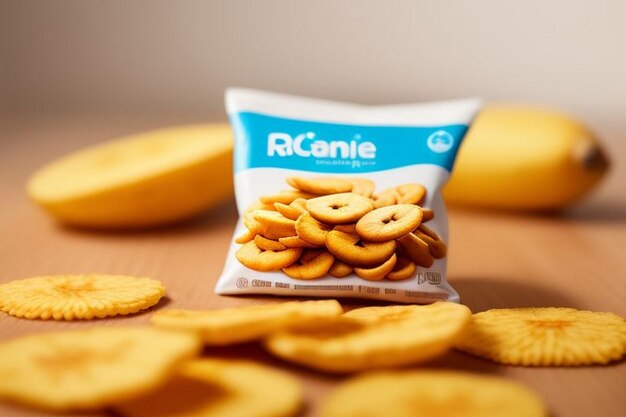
[(386, 198), (403, 269), (268, 244), (374, 337), (274, 225), (346, 228), (245, 237), (430, 394), (340, 269), (545, 336), (427, 214), (285, 197), (411, 194), (295, 242), (379, 272), (339, 208), (73, 297), (243, 324), (350, 249), (311, 230), (320, 185), (253, 257), (388, 223), (293, 210), (312, 267), (436, 245), (220, 388), (90, 368), (362, 186), (416, 249)]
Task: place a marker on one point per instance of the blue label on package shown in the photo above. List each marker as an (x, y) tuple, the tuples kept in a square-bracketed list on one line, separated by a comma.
[(263, 141)]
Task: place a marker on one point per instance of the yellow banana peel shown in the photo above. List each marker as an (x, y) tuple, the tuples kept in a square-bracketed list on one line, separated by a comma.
[(143, 180), (514, 157), (525, 158)]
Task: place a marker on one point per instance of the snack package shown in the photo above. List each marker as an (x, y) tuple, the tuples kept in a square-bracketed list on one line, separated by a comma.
[(341, 200)]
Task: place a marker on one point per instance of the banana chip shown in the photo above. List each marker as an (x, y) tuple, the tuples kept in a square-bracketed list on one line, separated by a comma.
[(70, 297), (374, 337), (243, 324), (545, 336), (220, 388), (89, 369), (430, 394)]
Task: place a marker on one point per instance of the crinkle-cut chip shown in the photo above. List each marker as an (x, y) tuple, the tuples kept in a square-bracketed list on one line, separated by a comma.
[(374, 337), (545, 336), (220, 388), (242, 324), (72, 297), (90, 368), (431, 394)]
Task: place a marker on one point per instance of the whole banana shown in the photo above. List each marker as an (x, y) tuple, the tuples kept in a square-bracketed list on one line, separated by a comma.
[(525, 158)]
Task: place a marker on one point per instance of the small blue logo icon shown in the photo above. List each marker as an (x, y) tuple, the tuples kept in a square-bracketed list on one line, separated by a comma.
[(440, 141)]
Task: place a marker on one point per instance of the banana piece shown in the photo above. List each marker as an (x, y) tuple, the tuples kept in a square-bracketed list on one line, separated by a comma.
[(139, 181), (525, 158)]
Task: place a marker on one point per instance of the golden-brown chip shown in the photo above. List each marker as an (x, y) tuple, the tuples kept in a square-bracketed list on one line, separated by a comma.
[(295, 242), (350, 249), (432, 394), (285, 197), (253, 257), (436, 245), (362, 186), (416, 249), (340, 269), (389, 222), (346, 228), (339, 208), (427, 215), (321, 185), (273, 225), (90, 368), (290, 211), (403, 269), (243, 324), (411, 194), (545, 336), (72, 297), (374, 337), (387, 197), (268, 244), (220, 388), (245, 237), (312, 268), (378, 272), (311, 230)]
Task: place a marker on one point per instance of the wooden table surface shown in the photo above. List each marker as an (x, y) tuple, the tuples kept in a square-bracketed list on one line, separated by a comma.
[(496, 260)]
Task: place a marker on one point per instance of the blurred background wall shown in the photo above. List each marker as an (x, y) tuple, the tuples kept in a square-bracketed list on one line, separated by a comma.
[(163, 56)]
